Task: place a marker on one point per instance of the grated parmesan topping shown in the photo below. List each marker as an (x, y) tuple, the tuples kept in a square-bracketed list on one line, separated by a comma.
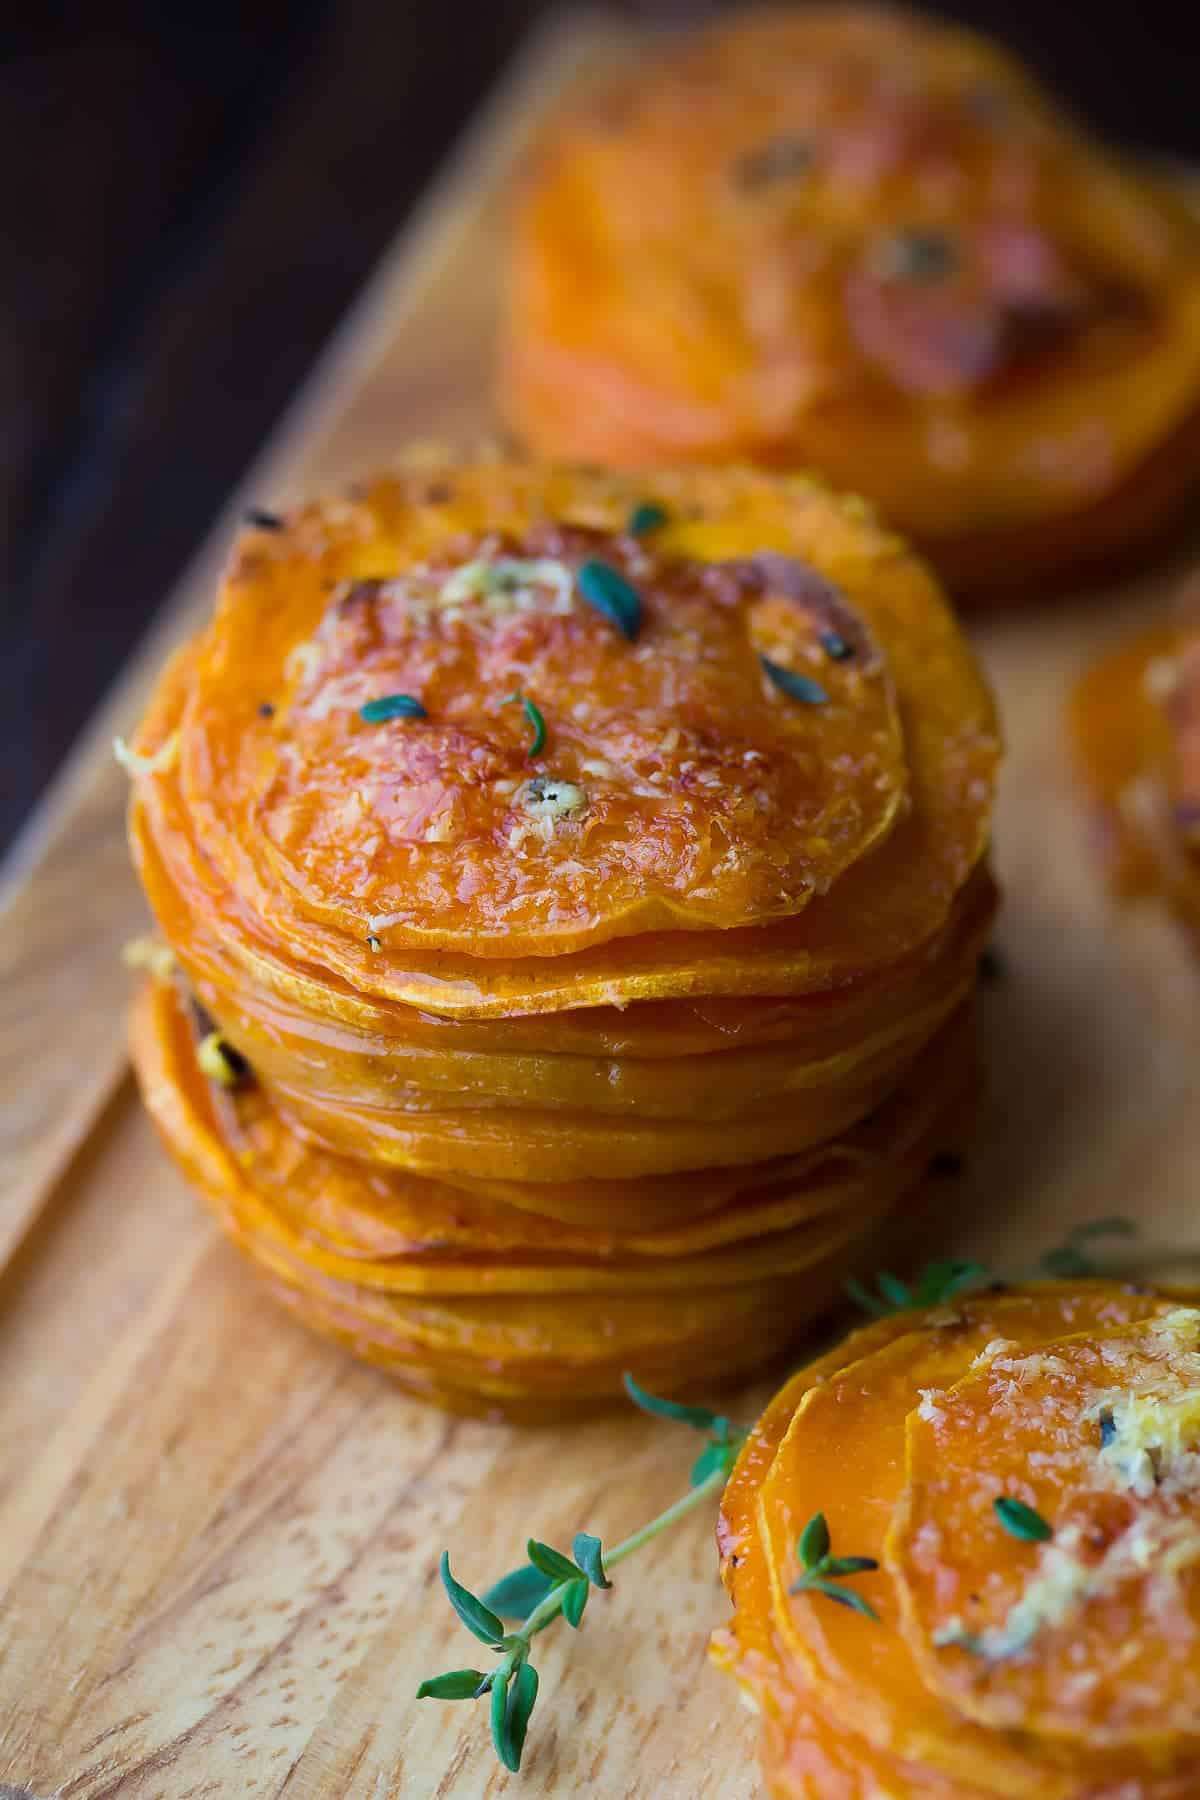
[(507, 584), (547, 799), (1064, 1583), (1152, 1429)]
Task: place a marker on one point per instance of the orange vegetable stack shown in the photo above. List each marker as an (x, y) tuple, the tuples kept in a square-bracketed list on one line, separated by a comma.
[(576, 886), (999, 1590), (1136, 724), (854, 239)]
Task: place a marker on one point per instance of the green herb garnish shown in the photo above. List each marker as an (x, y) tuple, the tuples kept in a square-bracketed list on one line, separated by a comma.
[(836, 647), (824, 1572), (646, 518), (1020, 1521), (391, 706), (724, 1438), (455, 1684), (610, 593), (551, 1583), (533, 713), (937, 1283), (262, 520), (796, 687)]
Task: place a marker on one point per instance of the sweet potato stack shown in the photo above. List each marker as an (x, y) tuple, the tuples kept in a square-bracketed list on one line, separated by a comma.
[(854, 239), (576, 887), (1010, 1603), (1136, 723)]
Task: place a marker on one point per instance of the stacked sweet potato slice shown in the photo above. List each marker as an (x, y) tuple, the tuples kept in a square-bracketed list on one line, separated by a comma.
[(861, 240), (576, 890), (1009, 1599), (1136, 722)]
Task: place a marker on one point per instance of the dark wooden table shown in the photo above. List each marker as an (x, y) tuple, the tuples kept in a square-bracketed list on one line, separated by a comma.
[(192, 195)]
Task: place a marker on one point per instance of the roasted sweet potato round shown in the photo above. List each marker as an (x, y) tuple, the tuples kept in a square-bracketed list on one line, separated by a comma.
[(438, 1267), (1135, 719), (1016, 1469), (816, 719), (866, 242), (581, 925)]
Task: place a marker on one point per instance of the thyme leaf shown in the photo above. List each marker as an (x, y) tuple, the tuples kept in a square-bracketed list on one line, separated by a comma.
[(534, 714), (937, 1283), (1021, 1521), (796, 687), (455, 1684), (823, 1573), (590, 1560), (517, 1593), (391, 706), (646, 518), (479, 1619), (609, 592)]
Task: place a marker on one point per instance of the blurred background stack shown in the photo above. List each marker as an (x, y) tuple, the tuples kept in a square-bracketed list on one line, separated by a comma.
[(192, 197)]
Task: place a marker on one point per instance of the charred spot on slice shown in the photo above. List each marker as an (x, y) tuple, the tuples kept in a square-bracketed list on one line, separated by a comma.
[(842, 633)]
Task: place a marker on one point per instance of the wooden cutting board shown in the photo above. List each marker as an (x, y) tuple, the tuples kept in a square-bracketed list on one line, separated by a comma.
[(219, 1537)]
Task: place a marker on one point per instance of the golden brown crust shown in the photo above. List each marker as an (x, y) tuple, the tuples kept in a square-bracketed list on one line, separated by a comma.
[(310, 837), (913, 273)]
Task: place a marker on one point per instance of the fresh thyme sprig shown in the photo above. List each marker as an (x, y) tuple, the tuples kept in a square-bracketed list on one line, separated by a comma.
[(942, 1281), (824, 1573), (937, 1283), (551, 1583)]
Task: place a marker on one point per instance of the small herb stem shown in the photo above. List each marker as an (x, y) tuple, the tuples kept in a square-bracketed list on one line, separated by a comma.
[(548, 1609), (712, 1484)]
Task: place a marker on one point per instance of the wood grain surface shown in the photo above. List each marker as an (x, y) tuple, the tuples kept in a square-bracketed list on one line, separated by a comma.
[(219, 1537)]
